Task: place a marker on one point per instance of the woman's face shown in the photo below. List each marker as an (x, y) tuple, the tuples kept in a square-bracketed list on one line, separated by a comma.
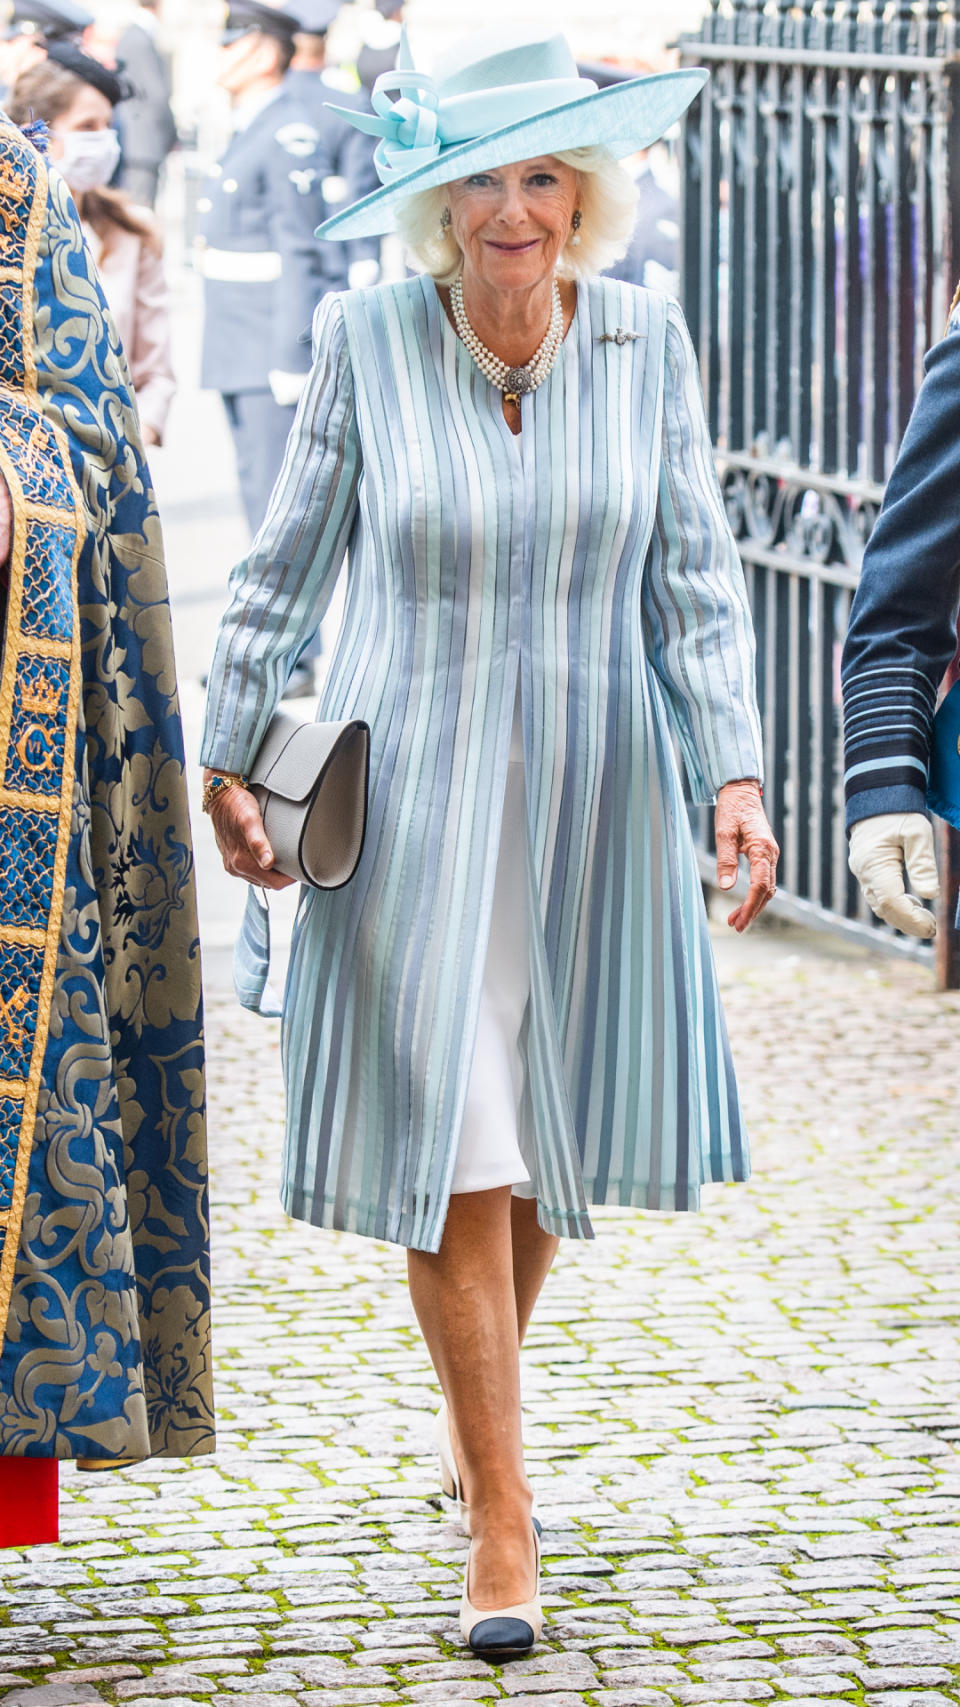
[(90, 111), (512, 223)]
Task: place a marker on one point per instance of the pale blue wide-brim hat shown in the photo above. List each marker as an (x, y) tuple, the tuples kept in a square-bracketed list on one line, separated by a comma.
[(497, 98)]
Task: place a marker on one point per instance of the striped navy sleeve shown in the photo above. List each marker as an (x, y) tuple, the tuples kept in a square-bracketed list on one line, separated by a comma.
[(903, 626)]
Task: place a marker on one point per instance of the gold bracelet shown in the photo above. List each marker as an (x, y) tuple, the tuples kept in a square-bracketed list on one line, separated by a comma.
[(218, 784)]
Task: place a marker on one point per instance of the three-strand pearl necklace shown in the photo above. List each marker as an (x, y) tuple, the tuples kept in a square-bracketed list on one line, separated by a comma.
[(514, 382)]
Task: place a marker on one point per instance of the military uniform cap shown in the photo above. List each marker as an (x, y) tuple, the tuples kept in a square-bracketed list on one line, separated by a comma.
[(242, 16), (48, 19), (316, 16)]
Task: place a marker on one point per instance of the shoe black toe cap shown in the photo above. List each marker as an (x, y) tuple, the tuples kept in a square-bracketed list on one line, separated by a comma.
[(501, 1635)]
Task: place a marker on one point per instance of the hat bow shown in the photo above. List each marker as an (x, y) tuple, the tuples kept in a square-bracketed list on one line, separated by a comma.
[(409, 128)]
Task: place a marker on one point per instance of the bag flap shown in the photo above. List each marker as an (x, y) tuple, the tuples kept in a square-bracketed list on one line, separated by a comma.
[(294, 754)]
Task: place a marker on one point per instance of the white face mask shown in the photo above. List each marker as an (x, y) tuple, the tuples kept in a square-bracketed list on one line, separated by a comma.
[(89, 158)]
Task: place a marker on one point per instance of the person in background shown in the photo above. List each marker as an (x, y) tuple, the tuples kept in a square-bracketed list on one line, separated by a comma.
[(77, 96), (653, 257), (264, 270), (384, 27), (901, 640), (347, 170), (148, 129), (104, 1274), (26, 26)]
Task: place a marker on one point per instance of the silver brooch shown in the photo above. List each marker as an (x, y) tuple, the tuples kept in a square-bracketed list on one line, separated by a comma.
[(619, 337)]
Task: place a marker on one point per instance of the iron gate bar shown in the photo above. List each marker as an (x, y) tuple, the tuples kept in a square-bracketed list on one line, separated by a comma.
[(819, 233), (866, 490), (811, 57)]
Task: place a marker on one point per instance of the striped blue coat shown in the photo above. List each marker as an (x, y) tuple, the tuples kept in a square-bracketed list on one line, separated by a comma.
[(589, 557)]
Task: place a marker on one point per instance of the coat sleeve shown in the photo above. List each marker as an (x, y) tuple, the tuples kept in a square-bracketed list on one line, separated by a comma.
[(360, 176), (279, 592), (903, 625), (296, 209), (146, 123), (151, 361), (697, 628)]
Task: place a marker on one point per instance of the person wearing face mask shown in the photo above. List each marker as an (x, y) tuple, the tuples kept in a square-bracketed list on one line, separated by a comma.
[(27, 26), (76, 96)]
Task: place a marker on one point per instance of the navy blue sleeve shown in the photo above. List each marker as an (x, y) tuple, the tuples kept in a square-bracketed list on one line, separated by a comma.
[(360, 175), (903, 626), (308, 273)]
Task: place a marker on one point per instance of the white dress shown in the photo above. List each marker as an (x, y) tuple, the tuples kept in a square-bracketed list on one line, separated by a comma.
[(494, 1151)]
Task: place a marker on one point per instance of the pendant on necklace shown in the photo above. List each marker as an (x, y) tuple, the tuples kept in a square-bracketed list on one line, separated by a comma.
[(517, 380)]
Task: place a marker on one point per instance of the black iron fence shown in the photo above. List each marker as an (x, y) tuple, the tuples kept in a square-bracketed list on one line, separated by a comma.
[(821, 240)]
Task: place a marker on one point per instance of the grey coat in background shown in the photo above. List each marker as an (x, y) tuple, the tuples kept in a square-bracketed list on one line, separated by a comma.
[(148, 129)]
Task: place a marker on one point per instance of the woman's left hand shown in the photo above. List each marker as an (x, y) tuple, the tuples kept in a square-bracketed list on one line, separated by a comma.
[(740, 826)]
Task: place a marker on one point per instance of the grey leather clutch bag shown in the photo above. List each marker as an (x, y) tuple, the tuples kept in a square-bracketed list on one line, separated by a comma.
[(310, 781)]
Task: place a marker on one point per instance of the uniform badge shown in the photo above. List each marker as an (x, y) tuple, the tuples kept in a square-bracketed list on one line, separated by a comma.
[(298, 139)]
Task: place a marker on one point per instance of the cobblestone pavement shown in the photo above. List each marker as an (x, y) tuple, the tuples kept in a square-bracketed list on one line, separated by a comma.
[(743, 1427)]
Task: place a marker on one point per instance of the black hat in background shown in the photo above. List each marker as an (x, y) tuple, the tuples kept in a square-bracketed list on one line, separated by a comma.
[(90, 70)]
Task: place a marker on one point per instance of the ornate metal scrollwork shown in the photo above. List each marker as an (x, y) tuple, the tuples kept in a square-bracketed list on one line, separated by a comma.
[(792, 518)]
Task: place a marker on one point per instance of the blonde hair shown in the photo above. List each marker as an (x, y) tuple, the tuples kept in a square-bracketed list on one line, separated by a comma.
[(607, 201)]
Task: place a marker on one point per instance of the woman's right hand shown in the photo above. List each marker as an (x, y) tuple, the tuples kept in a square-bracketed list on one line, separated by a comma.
[(242, 840)]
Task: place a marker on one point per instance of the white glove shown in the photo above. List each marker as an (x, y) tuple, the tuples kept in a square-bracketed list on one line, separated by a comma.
[(286, 387), (879, 849)]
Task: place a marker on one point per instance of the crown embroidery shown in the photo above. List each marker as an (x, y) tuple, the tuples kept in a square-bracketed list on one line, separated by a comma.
[(42, 698)]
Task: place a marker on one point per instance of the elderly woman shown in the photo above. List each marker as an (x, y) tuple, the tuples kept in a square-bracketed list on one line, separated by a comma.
[(512, 1011)]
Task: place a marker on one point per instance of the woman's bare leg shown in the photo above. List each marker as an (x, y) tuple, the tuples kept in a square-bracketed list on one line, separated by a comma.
[(533, 1254), (466, 1303)]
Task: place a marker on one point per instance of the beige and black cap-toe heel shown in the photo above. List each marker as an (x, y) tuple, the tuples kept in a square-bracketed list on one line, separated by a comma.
[(504, 1630)]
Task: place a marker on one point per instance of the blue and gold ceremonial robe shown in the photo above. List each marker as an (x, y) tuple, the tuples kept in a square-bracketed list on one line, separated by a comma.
[(589, 559), (104, 1282)]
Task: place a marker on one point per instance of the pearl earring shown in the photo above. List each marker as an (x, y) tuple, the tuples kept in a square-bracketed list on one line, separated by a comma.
[(576, 223), (444, 225)]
